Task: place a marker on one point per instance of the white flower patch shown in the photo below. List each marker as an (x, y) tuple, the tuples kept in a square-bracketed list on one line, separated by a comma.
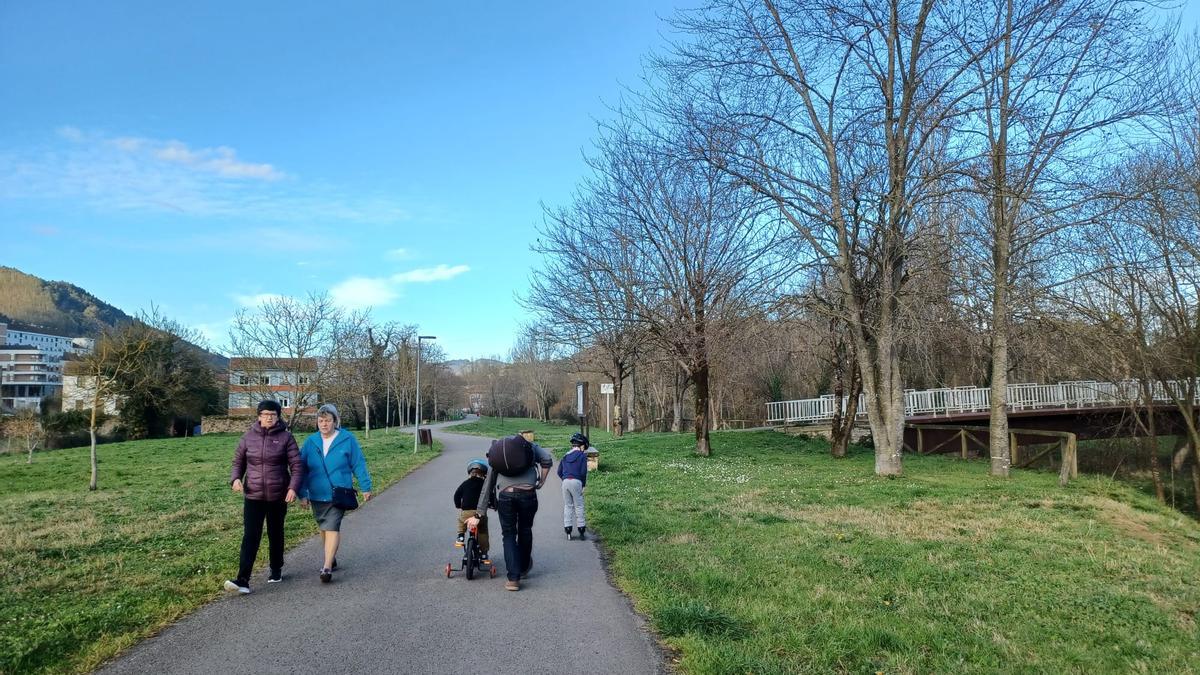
[(723, 472)]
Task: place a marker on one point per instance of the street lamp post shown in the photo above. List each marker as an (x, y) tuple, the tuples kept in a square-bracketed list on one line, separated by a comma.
[(417, 428)]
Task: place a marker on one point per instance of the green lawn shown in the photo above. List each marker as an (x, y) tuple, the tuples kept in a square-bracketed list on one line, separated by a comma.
[(772, 557), (86, 574)]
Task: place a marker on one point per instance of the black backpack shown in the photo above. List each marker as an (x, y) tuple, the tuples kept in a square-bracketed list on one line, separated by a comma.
[(511, 456)]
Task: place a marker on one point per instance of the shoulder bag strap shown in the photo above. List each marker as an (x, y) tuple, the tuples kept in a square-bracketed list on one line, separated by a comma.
[(324, 465)]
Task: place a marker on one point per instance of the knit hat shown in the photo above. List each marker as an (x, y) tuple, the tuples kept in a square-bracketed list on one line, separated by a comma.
[(330, 409), (270, 405)]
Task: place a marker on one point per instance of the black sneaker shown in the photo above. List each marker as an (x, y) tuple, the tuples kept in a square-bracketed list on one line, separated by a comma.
[(275, 577), (237, 586), (326, 575), (582, 533), (568, 531)]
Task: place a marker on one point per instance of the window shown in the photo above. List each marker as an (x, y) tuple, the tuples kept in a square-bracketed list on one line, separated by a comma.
[(285, 402), (243, 379), (303, 379), (264, 379)]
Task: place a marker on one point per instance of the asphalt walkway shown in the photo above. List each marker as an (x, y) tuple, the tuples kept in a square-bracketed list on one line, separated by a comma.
[(391, 609)]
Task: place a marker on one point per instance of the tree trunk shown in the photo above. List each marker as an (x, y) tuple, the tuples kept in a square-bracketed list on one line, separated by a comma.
[(631, 410), (1002, 233), (29, 460), (678, 388), (367, 413), (700, 378), (879, 367), (1196, 473), (92, 433), (842, 425)]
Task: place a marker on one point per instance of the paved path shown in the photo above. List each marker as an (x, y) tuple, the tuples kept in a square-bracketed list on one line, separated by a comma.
[(391, 609)]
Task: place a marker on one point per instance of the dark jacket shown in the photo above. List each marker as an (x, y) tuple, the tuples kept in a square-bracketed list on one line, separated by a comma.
[(574, 465), (467, 494), (268, 463)]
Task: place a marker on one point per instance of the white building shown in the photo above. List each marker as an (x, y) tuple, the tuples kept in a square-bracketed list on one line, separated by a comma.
[(31, 365), (26, 377), (78, 390)]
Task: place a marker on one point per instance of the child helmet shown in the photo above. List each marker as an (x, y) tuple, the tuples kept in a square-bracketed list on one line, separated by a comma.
[(477, 463), (579, 439)]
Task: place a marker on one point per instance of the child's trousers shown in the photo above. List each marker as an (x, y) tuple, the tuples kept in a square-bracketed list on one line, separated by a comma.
[(572, 491), (481, 530)]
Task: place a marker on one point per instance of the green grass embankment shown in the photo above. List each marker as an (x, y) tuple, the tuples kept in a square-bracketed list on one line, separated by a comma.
[(773, 557), (86, 574)]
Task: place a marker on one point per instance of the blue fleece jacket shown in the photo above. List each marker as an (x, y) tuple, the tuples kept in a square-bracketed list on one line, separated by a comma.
[(574, 465), (345, 456)]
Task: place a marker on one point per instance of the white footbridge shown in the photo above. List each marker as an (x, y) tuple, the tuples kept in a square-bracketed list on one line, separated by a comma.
[(947, 402)]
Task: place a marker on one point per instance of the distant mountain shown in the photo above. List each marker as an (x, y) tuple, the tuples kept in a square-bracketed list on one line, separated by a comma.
[(59, 308), (53, 307), (461, 366)]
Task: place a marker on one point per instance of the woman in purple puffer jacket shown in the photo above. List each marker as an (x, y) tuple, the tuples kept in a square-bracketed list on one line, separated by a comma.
[(268, 471)]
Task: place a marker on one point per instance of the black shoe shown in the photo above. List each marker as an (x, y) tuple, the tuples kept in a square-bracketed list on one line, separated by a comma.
[(568, 531), (334, 564), (582, 533), (326, 575), (275, 577)]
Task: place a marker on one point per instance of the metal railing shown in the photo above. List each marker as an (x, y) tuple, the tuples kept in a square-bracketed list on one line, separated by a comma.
[(948, 401)]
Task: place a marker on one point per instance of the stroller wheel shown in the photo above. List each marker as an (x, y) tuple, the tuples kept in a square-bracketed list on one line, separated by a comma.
[(448, 570)]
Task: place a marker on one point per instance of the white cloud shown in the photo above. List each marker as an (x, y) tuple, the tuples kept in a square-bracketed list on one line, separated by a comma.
[(363, 293), (256, 300), (139, 174), (398, 254), (221, 161), (70, 133), (428, 274)]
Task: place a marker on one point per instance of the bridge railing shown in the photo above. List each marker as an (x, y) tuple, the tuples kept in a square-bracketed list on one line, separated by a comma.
[(1024, 396)]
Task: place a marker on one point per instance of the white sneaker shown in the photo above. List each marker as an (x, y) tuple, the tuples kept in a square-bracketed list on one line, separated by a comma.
[(234, 586)]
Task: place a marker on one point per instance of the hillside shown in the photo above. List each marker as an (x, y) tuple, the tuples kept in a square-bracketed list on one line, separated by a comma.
[(54, 307), (59, 308)]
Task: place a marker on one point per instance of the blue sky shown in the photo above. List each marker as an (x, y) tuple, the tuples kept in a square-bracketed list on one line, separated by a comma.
[(201, 155)]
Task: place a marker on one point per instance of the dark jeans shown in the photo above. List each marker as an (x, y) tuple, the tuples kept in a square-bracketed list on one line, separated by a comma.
[(516, 510), (253, 513)]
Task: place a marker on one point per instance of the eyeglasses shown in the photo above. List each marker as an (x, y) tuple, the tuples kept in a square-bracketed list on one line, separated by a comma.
[(268, 414)]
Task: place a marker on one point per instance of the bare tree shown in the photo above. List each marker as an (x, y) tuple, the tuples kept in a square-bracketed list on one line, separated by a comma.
[(682, 249), (114, 362), (535, 358), (290, 335), (1054, 77), (26, 426), (842, 112)]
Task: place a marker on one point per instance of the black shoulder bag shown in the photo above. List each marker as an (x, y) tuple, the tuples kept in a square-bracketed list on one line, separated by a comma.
[(344, 498)]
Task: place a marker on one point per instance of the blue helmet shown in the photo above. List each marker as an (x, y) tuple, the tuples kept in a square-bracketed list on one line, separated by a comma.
[(477, 463), (579, 439)]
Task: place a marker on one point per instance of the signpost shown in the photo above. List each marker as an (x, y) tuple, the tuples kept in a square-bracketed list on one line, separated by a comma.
[(606, 388), (581, 406)]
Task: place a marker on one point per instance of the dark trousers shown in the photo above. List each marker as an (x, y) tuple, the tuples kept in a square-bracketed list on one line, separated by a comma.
[(516, 510), (253, 513)]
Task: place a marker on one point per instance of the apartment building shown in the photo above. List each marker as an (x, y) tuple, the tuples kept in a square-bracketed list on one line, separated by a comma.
[(26, 377), (31, 365), (284, 380)]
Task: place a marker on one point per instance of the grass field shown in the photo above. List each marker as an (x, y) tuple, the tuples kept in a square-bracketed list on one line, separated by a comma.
[(772, 557), (86, 574)]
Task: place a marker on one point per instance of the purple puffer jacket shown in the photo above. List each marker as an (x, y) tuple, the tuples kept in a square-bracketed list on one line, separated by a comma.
[(268, 463)]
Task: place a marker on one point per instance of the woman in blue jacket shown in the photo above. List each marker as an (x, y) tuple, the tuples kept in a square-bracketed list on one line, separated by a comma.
[(331, 458)]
